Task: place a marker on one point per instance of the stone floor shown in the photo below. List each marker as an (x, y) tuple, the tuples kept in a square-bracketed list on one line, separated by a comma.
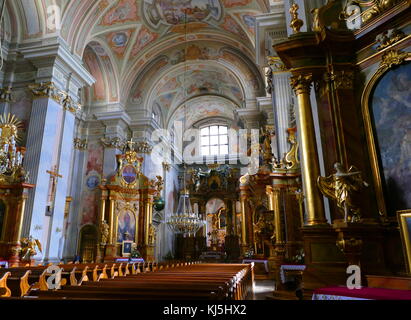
[(262, 288)]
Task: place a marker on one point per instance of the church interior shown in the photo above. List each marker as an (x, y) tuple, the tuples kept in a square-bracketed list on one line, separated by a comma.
[(205, 149)]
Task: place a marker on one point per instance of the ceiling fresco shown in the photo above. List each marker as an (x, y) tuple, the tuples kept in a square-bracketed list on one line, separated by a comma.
[(132, 47)]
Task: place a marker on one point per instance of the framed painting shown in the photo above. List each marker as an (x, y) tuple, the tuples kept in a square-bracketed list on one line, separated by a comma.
[(126, 248), (404, 222), (386, 110)]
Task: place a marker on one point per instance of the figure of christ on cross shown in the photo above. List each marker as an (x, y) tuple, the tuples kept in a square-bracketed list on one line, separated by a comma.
[(54, 175)]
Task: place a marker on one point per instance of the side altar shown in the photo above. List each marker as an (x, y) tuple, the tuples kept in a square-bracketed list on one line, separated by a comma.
[(126, 210)]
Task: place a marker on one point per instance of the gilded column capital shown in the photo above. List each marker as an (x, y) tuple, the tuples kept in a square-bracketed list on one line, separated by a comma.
[(70, 105), (144, 147), (114, 143), (46, 90), (302, 83), (5, 94), (80, 144)]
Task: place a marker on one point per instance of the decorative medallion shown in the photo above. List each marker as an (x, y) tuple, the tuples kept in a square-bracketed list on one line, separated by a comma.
[(129, 174), (93, 181)]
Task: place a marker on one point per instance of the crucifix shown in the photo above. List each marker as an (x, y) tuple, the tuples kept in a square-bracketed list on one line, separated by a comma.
[(54, 175)]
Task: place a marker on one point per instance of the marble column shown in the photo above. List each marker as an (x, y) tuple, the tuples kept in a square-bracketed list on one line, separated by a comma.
[(77, 180), (56, 241)]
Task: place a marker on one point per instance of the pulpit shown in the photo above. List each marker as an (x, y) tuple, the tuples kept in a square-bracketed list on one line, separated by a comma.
[(126, 210)]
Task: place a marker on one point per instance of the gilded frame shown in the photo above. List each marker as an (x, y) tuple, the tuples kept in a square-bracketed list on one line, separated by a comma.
[(129, 208), (389, 59), (402, 216)]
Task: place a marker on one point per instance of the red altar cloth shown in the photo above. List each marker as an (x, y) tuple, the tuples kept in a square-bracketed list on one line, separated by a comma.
[(366, 293)]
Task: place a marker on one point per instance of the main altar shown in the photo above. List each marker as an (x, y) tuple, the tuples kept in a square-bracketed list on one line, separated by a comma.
[(126, 210)]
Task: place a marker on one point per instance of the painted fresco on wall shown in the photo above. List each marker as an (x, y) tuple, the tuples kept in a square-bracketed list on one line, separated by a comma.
[(94, 171), (126, 226), (391, 109), (93, 66)]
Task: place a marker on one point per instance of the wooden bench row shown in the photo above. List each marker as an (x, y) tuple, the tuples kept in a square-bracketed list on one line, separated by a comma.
[(18, 281), (194, 281)]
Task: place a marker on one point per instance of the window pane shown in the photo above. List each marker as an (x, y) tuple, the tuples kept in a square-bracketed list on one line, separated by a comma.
[(205, 131), (223, 139), (205, 141), (213, 130), (213, 150), (224, 149), (205, 151), (223, 130), (213, 140)]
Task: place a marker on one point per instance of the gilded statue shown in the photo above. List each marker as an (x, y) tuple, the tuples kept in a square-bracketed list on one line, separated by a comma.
[(152, 235), (296, 23), (104, 229), (28, 248), (341, 187)]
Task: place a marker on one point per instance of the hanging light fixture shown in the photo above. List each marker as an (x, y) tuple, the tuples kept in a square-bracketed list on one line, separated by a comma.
[(184, 221)]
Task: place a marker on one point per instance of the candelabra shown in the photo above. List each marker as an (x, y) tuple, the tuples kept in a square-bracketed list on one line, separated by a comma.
[(11, 156)]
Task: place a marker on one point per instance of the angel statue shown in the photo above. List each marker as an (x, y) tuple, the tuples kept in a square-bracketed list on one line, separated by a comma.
[(28, 248), (340, 187)]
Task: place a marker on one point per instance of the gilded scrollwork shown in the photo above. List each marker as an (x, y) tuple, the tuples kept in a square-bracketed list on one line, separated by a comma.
[(388, 38)]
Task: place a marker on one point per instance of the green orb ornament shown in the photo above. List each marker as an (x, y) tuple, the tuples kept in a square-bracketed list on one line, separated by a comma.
[(159, 204)]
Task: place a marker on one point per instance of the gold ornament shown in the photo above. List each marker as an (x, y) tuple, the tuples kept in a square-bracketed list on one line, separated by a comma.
[(296, 23), (28, 248)]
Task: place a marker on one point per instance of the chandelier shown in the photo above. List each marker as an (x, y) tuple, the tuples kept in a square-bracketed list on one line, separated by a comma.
[(184, 221)]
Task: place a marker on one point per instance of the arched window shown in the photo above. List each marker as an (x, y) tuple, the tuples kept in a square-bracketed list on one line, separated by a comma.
[(214, 140)]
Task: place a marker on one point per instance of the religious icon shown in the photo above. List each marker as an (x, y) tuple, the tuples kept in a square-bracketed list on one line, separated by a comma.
[(129, 174), (126, 226), (126, 248)]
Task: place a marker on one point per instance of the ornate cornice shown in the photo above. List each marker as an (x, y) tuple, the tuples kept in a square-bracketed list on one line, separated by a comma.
[(80, 144), (5, 94), (301, 83), (114, 143)]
